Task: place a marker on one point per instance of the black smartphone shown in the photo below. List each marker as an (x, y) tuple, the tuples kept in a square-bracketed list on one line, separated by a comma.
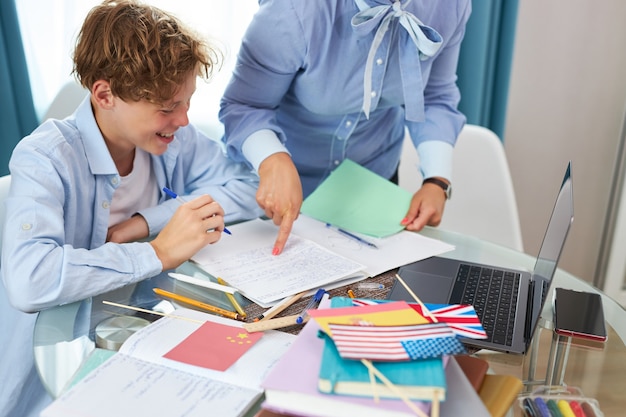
[(579, 314)]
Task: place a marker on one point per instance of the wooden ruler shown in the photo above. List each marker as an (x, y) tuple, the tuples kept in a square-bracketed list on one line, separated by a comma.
[(272, 324)]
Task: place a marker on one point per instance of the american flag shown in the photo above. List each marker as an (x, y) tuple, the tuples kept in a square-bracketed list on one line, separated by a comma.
[(461, 318), (395, 343)]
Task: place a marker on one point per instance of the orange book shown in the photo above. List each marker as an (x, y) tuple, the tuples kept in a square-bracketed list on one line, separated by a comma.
[(498, 393)]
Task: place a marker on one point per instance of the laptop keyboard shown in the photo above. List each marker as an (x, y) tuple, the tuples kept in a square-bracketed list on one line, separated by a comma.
[(493, 293)]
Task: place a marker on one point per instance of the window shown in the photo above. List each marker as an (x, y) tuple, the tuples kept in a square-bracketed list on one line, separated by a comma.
[(48, 52)]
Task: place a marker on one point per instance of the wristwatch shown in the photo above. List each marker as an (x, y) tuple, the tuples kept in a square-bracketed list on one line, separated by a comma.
[(447, 188)]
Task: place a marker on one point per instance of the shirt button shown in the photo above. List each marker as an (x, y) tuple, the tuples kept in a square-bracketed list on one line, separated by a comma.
[(348, 123), (373, 94), (114, 180), (27, 226), (105, 205), (336, 162), (379, 61)]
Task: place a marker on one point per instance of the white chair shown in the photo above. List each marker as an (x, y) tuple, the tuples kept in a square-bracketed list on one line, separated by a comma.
[(65, 102), (483, 200), (5, 183)]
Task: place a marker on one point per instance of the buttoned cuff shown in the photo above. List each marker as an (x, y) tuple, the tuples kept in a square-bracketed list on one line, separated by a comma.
[(260, 145), (435, 159)]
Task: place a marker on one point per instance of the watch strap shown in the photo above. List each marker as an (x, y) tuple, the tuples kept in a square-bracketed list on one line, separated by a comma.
[(444, 185)]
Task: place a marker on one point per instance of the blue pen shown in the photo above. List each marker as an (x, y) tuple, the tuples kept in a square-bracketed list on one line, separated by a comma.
[(352, 236), (315, 301), (182, 201)]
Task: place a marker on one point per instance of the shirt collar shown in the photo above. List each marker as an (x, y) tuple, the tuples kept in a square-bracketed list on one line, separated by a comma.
[(96, 151)]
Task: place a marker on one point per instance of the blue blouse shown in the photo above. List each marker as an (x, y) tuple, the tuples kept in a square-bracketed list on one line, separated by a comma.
[(303, 83)]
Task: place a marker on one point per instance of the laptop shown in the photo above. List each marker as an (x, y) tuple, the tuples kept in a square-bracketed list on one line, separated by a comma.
[(507, 301)]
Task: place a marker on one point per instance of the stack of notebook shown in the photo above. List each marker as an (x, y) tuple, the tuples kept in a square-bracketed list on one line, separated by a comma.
[(292, 388)]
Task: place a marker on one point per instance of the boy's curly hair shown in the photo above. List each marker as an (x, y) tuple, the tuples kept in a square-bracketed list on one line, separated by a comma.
[(143, 52)]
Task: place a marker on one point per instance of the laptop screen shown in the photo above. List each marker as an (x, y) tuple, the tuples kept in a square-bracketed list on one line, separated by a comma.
[(552, 245)]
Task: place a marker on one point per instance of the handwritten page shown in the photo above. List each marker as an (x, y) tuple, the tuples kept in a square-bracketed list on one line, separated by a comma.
[(128, 386), (244, 260)]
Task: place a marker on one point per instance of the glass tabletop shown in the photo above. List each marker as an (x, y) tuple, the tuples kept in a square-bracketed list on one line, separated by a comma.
[(66, 335)]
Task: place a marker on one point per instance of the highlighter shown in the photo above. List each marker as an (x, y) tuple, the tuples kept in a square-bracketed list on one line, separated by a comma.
[(565, 409)]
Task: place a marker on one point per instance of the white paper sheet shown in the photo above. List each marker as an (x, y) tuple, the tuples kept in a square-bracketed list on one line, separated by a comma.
[(315, 256), (393, 251), (245, 261)]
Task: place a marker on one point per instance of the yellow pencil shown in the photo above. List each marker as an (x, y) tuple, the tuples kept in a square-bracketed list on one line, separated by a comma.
[(232, 299), (196, 303)]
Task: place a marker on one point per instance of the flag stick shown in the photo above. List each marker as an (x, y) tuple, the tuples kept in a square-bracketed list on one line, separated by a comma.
[(416, 298), (368, 364)]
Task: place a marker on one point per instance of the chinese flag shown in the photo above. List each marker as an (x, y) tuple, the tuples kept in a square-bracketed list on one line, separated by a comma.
[(214, 346)]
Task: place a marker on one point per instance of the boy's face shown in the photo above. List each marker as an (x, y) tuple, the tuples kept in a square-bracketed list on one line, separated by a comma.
[(149, 126)]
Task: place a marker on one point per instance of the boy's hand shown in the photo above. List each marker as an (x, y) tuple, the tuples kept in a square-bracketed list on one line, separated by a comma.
[(194, 225)]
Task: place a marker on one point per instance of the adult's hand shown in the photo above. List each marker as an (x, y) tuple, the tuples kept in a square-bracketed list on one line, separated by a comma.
[(426, 208), (280, 194), (194, 225)]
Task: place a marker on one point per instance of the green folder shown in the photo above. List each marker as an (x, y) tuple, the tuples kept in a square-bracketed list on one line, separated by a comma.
[(355, 199)]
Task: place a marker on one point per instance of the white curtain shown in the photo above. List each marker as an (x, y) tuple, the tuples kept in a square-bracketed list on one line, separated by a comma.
[(49, 32)]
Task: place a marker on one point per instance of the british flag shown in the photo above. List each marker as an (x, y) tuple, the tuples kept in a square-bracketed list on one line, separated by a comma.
[(461, 318), (395, 343)]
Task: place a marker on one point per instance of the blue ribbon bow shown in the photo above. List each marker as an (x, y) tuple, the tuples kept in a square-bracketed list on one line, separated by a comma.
[(426, 39)]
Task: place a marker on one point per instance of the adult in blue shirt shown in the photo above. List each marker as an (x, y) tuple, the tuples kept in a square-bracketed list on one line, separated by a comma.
[(87, 190), (317, 82)]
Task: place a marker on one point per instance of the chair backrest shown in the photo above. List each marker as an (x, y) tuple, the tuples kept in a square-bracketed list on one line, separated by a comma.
[(483, 200), (66, 101), (5, 183)]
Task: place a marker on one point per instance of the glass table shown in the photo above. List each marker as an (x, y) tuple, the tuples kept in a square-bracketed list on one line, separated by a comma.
[(66, 335)]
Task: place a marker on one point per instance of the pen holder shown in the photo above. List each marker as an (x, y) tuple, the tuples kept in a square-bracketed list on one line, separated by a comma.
[(547, 399)]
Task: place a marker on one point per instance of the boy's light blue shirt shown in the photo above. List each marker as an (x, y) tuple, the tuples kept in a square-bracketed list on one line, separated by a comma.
[(298, 86), (54, 239)]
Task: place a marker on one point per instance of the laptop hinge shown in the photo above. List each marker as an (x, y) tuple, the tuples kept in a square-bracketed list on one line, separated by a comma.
[(529, 311)]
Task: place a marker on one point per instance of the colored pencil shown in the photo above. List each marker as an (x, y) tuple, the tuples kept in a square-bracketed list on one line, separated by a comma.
[(198, 304)]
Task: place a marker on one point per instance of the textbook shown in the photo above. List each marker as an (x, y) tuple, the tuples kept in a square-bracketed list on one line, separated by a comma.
[(422, 379), (125, 386), (418, 380), (143, 378)]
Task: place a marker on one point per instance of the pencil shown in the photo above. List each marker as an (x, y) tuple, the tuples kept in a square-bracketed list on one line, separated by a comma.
[(233, 300), (196, 303), (277, 308)]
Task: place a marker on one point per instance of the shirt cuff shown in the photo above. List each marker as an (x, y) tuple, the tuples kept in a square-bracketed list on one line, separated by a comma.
[(435, 159), (260, 145)]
